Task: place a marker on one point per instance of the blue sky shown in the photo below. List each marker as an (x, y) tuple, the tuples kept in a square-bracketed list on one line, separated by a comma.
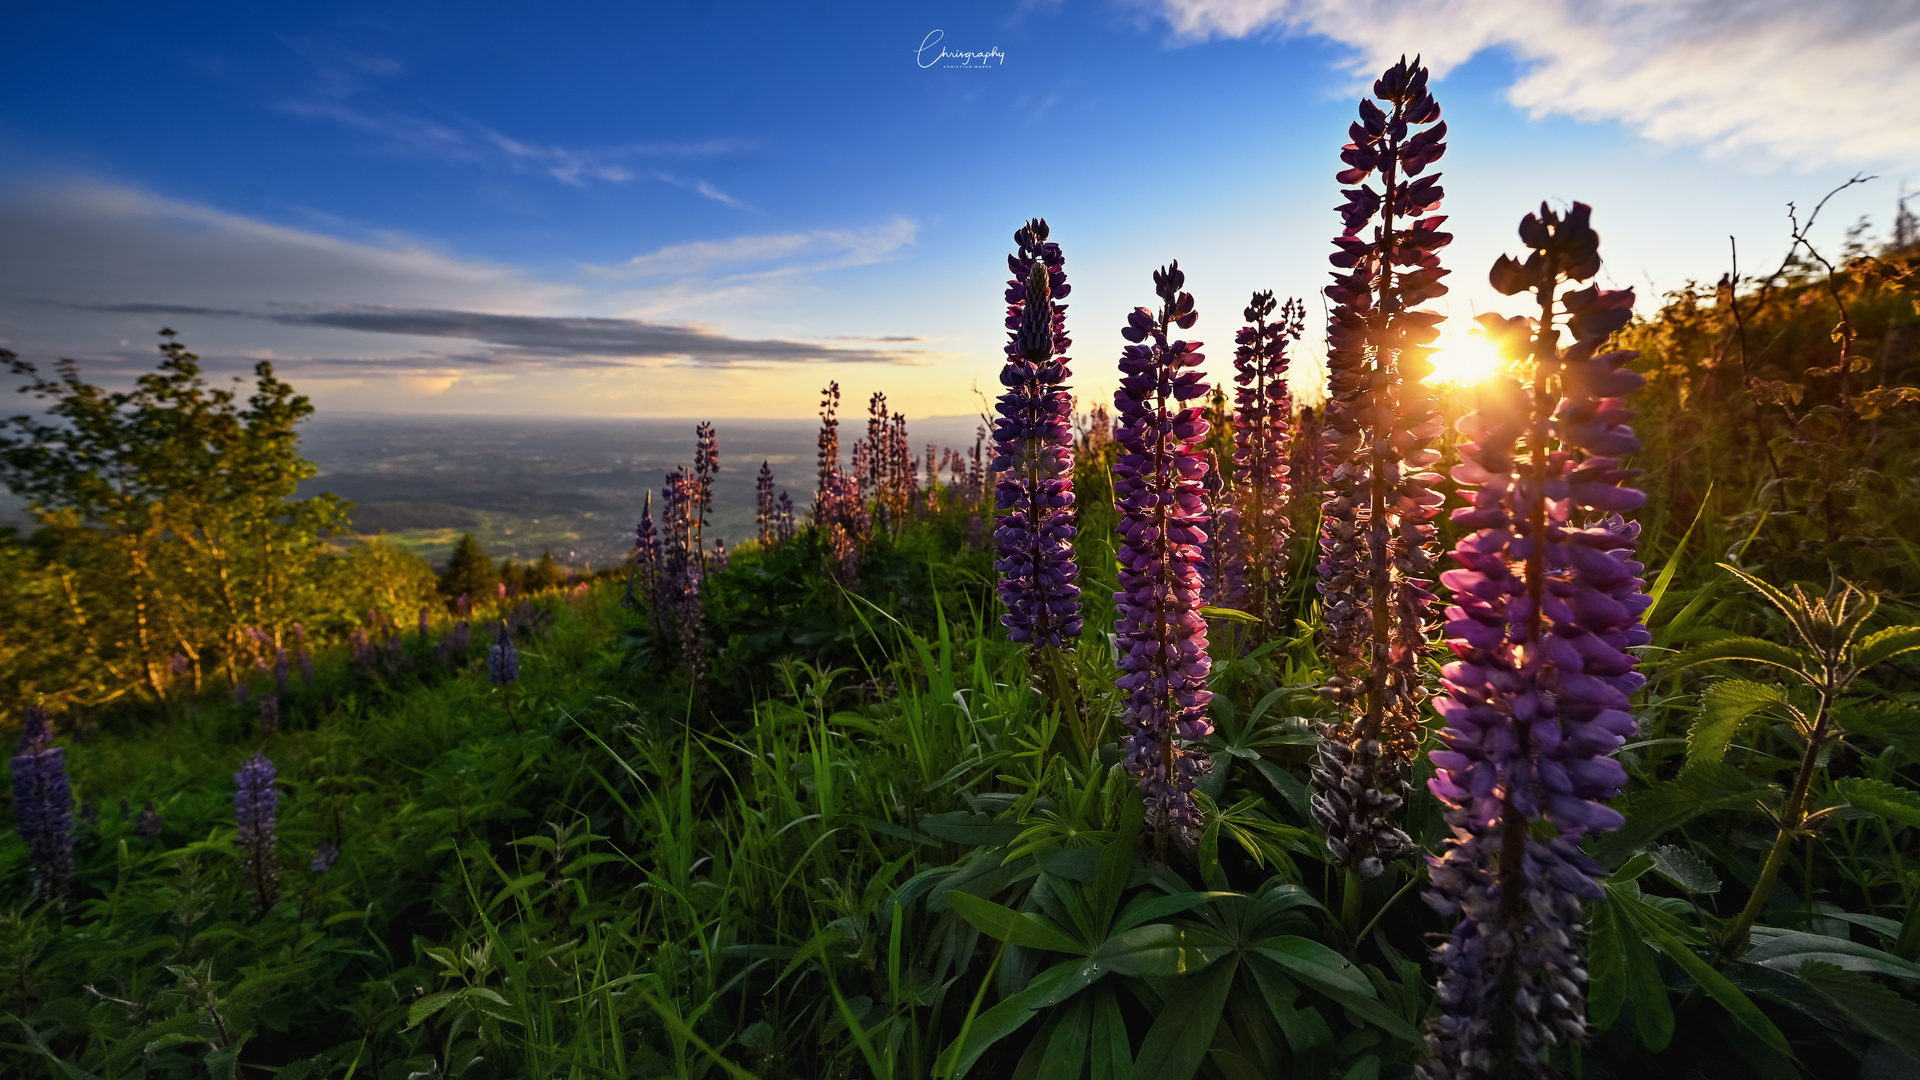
[(712, 208)]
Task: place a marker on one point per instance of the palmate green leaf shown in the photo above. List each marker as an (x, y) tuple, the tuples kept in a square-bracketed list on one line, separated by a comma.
[(1885, 645), (1725, 706), (1015, 927), (1066, 1048), (1730, 997), (965, 827), (1740, 647), (1887, 800), (1179, 1037), (1623, 970), (1109, 1047), (1335, 976), (1866, 1004)]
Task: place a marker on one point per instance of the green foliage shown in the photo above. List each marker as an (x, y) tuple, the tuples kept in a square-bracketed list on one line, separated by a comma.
[(469, 571)]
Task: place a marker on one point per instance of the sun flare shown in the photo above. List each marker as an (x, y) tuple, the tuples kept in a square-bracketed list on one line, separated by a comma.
[(1466, 359)]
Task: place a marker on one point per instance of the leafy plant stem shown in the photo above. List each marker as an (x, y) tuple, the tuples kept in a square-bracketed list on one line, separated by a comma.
[(1791, 821)]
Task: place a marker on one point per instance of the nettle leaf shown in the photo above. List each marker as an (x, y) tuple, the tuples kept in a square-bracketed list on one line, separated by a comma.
[(1886, 800), (1725, 706), (1703, 789), (1890, 722), (1740, 647), (1684, 869), (1886, 644), (1867, 1005)]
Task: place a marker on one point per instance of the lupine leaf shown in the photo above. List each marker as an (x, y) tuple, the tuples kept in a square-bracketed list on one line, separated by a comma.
[(1786, 950), (1335, 976), (1112, 1053), (1715, 984), (1178, 1039), (1683, 868), (1066, 1052), (1887, 800), (1014, 927), (1606, 967), (964, 827), (1886, 644), (1725, 706), (1866, 1004)]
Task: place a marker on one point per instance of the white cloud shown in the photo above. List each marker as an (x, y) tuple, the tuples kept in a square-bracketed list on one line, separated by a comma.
[(792, 253), (1831, 81)]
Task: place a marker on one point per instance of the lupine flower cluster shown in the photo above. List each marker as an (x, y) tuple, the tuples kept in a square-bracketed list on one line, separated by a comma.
[(503, 659), (270, 714), (1546, 602), (324, 857), (783, 525), (453, 645), (677, 613), (148, 824), (1255, 566), (1159, 491), (645, 571), (255, 802), (706, 463), (888, 474), (1033, 451), (1382, 424), (829, 449), (763, 504), (43, 806), (718, 561)]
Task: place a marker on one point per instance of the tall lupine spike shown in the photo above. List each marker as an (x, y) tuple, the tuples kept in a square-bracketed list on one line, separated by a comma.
[(706, 462), (763, 505), (677, 609), (1159, 490), (829, 448), (1222, 577), (1263, 411), (503, 659), (644, 574), (783, 518), (43, 806), (1382, 424), (255, 804), (1033, 452), (1546, 603)]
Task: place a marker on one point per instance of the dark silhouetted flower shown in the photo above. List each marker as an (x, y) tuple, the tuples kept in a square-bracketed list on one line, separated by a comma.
[(324, 857), (503, 659), (763, 505), (1546, 602), (1033, 451), (1159, 489), (1382, 424), (269, 714), (148, 825)]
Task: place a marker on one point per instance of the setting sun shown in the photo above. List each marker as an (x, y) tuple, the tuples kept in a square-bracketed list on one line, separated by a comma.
[(1467, 358)]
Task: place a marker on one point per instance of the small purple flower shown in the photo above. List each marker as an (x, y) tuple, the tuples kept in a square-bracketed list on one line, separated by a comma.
[(241, 693), (43, 806), (324, 857), (645, 571), (1033, 451), (178, 664), (763, 514), (269, 714), (1546, 602), (255, 802), (1159, 489), (148, 825), (718, 561), (503, 660)]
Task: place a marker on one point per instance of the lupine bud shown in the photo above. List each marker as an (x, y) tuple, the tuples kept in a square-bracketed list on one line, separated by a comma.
[(43, 806), (255, 802), (1546, 603), (1033, 451), (1263, 410), (1159, 491), (148, 825), (1377, 557), (503, 659)]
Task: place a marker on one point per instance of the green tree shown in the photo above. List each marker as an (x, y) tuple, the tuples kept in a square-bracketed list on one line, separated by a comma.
[(170, 518), (545, 574), (469, 570)]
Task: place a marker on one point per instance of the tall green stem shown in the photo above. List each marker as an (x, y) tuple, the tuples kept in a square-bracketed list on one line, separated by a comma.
[(1792, 819)]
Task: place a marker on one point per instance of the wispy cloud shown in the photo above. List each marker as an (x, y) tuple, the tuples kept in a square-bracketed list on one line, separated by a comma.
[(1796, 81), (345, 91), (773, 254)]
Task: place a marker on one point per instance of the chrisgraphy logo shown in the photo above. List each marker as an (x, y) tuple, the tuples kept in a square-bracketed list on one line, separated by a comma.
[(930, 54)]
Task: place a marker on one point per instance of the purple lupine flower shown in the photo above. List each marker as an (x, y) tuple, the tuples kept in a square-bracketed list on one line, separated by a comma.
[(706, 463), (282, 673), (783, 518), (848, 527), (1222, 578), (360, 647), (503, 660), (269, 714), (43, 806), (178, 664), (978, 482), (645, 571), (1382, 423), (763, 505), (241, 693), (1307, 467), (1159, 491), (829, 447), (255, 801), (1546, 603), (1033, 451), (719, 562), (1262, 425), (463, 605), (324, 857), (148, 825), (306, 664), (426, 624), (677, 609), (462, 638)]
